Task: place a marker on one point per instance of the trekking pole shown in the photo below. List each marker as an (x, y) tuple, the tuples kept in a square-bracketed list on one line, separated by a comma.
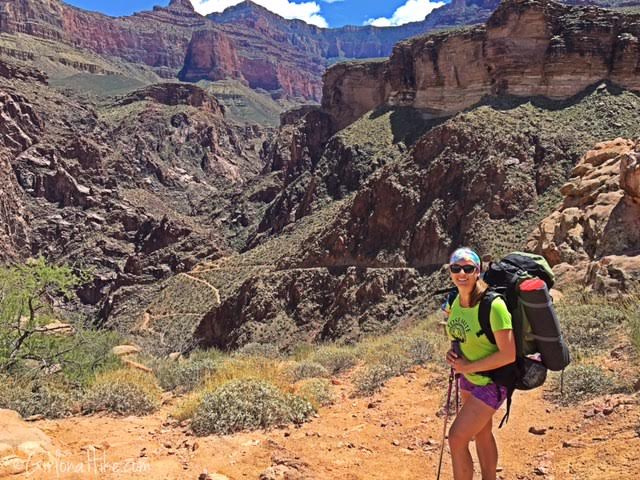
[(446, 419), (456, 379), (455, 345)]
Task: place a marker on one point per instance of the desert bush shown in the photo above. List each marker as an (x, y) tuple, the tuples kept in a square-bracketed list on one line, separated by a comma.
[(247, 404), (373, 377), (262, 350), (124, 391), (419, 350), (335, 359), (305, 369), (317, 391), (34, 398), (582, 382), (230, 369), (186, 375), (245, 368), (587, 328)]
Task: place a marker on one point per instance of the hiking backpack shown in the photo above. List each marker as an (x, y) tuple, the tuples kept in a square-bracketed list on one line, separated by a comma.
[(523, 281)]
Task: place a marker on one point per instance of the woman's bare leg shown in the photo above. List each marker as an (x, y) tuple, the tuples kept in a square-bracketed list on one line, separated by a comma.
[(472, 418), (487, 451)]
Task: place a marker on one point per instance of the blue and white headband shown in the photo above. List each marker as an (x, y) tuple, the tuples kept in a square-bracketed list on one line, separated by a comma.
[(465, 253)]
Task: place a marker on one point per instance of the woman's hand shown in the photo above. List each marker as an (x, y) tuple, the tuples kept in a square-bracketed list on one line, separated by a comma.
[(458, 363)]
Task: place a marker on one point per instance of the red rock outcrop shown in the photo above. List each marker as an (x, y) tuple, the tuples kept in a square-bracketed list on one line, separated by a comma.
[(527, 48), (176, 94), (212, 56), (594, 237)]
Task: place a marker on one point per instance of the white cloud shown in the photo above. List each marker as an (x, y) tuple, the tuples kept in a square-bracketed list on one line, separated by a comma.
[(412, 11), (307, 11)]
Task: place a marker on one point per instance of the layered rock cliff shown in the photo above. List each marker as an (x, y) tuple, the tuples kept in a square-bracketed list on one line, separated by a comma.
[(157, 38), (528, 48)]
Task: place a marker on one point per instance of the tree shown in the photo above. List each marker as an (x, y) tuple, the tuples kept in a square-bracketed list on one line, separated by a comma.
[(27, 295)]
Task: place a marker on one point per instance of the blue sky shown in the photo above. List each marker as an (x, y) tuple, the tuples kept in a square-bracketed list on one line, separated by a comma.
[(331, 13)]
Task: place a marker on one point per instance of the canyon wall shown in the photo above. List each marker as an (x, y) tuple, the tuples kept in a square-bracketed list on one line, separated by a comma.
[(527, 48)]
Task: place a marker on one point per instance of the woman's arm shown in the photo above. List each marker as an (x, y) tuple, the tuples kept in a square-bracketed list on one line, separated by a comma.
[(505, 355)]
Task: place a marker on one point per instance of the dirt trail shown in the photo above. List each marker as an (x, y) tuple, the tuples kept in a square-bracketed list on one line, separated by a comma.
[(394, 434)]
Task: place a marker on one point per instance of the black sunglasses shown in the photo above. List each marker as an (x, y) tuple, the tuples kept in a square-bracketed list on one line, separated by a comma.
[(455, 268)]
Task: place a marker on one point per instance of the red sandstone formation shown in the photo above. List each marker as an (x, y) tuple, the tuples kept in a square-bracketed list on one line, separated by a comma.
[(246, 41), (527, 48)]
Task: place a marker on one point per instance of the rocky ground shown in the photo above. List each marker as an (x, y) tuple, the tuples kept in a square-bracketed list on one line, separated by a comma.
[(394, 434)]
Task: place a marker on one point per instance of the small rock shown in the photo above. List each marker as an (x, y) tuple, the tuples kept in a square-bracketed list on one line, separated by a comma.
[(573, 444), (396, 443), (34, 418), (195, 446), (251, 443), (542, 471), (122, 350), (12, 466), (166, 397), (537, 431), (212, 476)]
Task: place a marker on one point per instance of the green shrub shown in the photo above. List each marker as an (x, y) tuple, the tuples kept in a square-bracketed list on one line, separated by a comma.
[(335, 359), (262, 350), (306, 369), (184, 375), (89, 352), (124, 391), (582, 382), (419, 350), (373, 377), (317, 391), (587, 328), (248, 404), (34, 398)]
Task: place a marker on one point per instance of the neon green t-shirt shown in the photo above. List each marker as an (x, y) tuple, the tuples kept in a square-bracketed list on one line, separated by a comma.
[(464, 325)]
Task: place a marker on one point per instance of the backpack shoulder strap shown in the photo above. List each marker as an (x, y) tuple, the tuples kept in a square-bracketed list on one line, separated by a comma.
[(484, 315)]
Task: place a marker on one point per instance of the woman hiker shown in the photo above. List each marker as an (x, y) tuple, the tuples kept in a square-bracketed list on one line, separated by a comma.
[(480, 396)]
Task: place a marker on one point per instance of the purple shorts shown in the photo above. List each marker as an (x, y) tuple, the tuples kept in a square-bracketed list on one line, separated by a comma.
[(492, 394)]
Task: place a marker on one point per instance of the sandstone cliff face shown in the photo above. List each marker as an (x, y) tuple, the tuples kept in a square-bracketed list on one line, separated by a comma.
[(528, 48), (593, 238)]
